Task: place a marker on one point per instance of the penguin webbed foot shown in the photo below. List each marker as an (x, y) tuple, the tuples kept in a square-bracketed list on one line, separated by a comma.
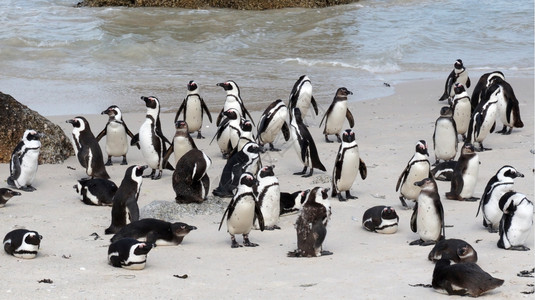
[(349, 196), (416, 242), (156, 177), (327, 139), (341, 198), (471, 199), (124, 162), (428, 243), (151, 175), (235, 244), (403, 203), (338, 138), (325, 252), (309, 174), (274, 227), (247, 242), (109, 163), (519, 248), (272, 148), (302, 172), (27, 188), (199, 135)]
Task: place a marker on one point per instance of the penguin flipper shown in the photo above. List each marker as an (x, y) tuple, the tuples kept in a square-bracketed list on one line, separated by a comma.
[(102, 133), (327, 113), (285, 131), (314, 104), (228, 213), (218, 121), (363, 170), (246, 112), (402, 177), (259, 216), (168, 154), (206, 110), (350, 118), (15, 166), (182, 106), (133, 209), (130, 134), (414, 216), (135, 140), (493, 127), (468, 82)]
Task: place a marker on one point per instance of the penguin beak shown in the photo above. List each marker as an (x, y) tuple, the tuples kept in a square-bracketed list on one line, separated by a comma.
[(13, 193), (70, 121), (191, 228)]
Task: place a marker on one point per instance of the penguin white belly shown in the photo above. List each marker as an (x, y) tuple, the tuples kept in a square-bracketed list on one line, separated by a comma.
[(463, 78), (418, 172), (388, 226), (224, 139), (335, 120), (520, 228), (305, 98), (241, 220), (470, 178), (193, 114), (181, 146), (152, 158), (350, 168), (116, 142), (135, 262), (428, 220), (26, 250), (274, 126), (270, 205), (445, 140), (231, 102), (489, 121), (28, 168), (502, 110), (462, 115), (491, 211), (234, 135)]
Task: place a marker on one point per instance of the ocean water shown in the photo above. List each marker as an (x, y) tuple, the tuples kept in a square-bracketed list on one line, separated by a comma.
[(62, 60)]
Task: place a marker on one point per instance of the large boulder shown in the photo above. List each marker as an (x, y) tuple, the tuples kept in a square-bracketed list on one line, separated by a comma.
[(15, 118), (235, 4)]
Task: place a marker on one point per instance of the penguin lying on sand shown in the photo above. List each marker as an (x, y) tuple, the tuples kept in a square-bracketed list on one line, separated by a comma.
[(96, 191), (6, 194), (154, 231), (22, 243), (453, 249), (381, 219), (129, 253)]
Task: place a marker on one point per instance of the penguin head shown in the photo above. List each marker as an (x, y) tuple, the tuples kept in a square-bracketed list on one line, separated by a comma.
[(246, 125), (32, 135), (466, 253), (113, 112), (266, 171), (342, 93), (230, 86), (192, 86), (181, 125), (79, 123), (251, 147), (181, 229), (232, 114), (151, 102), (248, 179), (495, 77), (136, 171), (458, 88), (467, 149), (446, 111), (421, 147), (426, 184), (348, 136), (33, 238), (7, 194), (143, 248), (458, 64), (389, 213), (508, 172)]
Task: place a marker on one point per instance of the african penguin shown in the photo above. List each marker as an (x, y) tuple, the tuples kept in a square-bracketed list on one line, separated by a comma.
[(304, 145), (6, 194), (291, 202), (267, 192), (22, 243), (483, 119), (115, 132), (301, 97), (96, 191), (24, 161), (233, 100), (346, 167), (465, 174), (129, 253), (462, 110), (181, 143), (453, 249), (190, 179), (444, 171), (381, 219), (480, 90), (445, 139), (517, 221), (246, 135), (193, 106), (154, 231), (272, 121), (335, 115), (458, 74), (229, 131), (508, 107), (417, 169), (428, 216)]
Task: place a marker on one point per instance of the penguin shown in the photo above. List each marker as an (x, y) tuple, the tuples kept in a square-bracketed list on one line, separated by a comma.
[(24, 161), (267, 192), (6, 194), (381, 219), (444, 171), (508, 107), (304, 145), (483, 120), (273, 121), (151, 140), (463, 279), (241, 212), (496, 187), (445, 138), (481, 87), (233, 100), (182, 142), (465, 174), (462, 110), (129, 253), (246, 135), (290, 203), (154, 231), (516, 222), (125, 208), (236, 165), (417, 169), (229, 131), (87, 149), (193, 106), (115, 131), (311, 224), (96, 191), (301, 97), (190, 179), (346, 166), (453, 249), (335, 114), (458, 74), (428, 216), (22, 243)]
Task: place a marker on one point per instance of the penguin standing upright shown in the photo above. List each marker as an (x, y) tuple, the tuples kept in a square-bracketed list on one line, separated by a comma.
[(458, 74), (335, 115), (508, 107), (498, 185), (182, 142), (268, 194), (428, 216), (22, 243), (304, 145), (87, 148), (125, 208), (417, 169), (190, 179), (233, 100), (445, 139), (516, 222), (115, 132), (151, 140), (193, 106), (6, 194), (246, 135), (271, 122), (346, 166), (229, 131), (129, 253), (465, 174), (462, 111), (480, 90), (242, 211), (24, 161), (483, 120), (301, 97)]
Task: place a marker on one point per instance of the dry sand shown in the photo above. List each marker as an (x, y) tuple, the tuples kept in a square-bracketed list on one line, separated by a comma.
[(364, 265)]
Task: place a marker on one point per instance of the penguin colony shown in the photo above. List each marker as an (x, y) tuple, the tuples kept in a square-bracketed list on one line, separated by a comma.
[(256, 199)]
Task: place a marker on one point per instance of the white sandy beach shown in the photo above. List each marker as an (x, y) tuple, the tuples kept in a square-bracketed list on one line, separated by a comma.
[(364, 265)]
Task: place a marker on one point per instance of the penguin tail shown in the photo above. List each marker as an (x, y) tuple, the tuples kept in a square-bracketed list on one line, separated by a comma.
[(168, 166), (444, 96)]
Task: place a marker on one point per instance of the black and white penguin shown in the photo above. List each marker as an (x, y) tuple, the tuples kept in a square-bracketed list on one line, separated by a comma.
[(516, 222), (301, 97), (229, 131), (291, 202), (480, 90), (453, 249), (6, 194), (417, 169), (151, 140), (96, 191), (87, 149), (483, 120), (496, 187), (154, 231), (311, 225), (462, 279), (193, 106), (462, 110), (458, 74), (444, 171), (246, 135), (24, 161), (508, 107), (445, 139), (346, 167), (381, 219), (304, 145), (190, 179), (236, 165), (125, 208), (465, 174), (335, 115), (428, 216), (182, 142), (272, 121), (241, 212), (22, 243), (115, 132), (129, 254), (267, 192), (233, 100)]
